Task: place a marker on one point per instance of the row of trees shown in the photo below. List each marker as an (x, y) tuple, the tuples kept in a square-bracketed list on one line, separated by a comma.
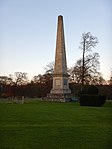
[(19, 86), (85, 71)]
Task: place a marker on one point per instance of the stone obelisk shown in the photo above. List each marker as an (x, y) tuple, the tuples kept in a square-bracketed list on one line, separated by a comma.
[(60, 90)]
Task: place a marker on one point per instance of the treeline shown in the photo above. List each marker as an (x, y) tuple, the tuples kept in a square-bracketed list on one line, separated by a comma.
[(19, 86)]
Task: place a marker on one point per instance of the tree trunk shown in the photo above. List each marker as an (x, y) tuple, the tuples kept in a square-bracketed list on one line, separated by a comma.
[(83, 61)]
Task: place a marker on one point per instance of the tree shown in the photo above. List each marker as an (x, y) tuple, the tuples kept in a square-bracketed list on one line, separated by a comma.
[(91, 74), (86, 68), (37, 79), (87, 43), (49, 69), (21, 78), (6, 80), (110, 80)]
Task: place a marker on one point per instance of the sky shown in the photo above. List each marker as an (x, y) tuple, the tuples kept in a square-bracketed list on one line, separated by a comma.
[(28, 33)]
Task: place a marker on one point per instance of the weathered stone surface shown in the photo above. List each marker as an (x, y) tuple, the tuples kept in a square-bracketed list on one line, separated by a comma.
[(60, 90), (59, 97)]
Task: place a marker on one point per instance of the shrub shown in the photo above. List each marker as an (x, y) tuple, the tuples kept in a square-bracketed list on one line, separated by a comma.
[(91, 100)]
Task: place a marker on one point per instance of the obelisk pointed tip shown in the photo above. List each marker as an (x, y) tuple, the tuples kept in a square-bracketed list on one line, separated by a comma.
[(60, 16)]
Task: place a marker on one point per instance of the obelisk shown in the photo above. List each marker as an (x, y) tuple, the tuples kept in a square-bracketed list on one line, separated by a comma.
[(60, 90)]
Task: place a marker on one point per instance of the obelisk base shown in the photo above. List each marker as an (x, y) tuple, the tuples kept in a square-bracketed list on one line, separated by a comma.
[(59, 97)]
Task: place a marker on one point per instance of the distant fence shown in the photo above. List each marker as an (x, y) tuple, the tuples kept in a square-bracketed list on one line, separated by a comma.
[(17, 100)]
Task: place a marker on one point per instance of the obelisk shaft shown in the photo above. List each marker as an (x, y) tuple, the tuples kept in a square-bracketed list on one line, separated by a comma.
[(60, 55)]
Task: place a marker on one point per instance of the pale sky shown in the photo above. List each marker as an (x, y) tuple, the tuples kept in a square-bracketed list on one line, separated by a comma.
[(28, 33)]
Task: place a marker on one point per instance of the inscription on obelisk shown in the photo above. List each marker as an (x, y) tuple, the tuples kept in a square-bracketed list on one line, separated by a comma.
[(60, 90)]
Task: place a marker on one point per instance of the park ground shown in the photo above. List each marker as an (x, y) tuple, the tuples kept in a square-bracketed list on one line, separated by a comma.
[(49, 125)]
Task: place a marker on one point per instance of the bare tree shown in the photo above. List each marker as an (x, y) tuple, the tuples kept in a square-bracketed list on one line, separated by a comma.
[(91, 67), (49, 68), (87, 43), (6, 80), (21, 78), (86, 68), (110, 80), (37, 79)]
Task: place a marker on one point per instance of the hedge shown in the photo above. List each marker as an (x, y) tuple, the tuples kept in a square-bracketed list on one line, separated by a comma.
[(91, 100)]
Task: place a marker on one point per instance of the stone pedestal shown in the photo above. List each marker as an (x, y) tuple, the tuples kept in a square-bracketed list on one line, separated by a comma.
[(59, 97)]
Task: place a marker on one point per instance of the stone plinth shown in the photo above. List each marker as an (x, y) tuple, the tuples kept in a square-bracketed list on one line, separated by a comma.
[(59, 97)]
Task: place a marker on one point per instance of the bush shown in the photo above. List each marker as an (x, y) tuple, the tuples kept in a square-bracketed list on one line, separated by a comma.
[(89, 96), (92, 100)]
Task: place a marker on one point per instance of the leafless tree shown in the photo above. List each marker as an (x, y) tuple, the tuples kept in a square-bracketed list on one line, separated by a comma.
[(86, 70), (88, 42), (37, 79), (21, 78), (49, 68), (6, 80), (110, 80), (91, 67)]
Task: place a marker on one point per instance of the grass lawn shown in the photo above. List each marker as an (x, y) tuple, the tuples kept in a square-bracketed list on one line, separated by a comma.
[(46, 125)]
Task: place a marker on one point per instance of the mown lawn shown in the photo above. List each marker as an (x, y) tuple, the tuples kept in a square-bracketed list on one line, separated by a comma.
[(46, 125)]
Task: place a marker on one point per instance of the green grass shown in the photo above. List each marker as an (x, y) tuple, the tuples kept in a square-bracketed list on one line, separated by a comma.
[(46, 125)]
